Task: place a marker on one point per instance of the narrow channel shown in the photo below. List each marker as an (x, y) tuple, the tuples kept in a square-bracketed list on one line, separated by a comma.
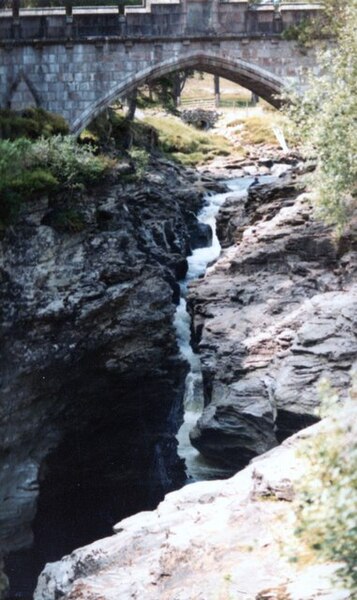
[(73, 509), (197, 468)]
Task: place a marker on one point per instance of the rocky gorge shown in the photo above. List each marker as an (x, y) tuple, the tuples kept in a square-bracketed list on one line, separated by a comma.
[(93, 380)]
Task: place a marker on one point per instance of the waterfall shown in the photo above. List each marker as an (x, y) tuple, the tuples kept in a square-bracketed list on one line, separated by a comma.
[(197, 468)]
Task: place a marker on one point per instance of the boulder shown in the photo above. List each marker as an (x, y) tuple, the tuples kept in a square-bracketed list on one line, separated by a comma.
[(200, 118)]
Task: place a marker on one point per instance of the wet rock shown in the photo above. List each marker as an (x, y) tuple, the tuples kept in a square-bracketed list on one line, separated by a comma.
[(280, 169), (237, 424), (200, 235)]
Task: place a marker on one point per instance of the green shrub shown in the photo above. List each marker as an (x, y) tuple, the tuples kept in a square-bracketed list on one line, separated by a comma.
[(31, 123), (69, 220), (327, 498), (12, 162), (45, 166), (15, 191), (70, 163), (18, 181), (13, 157), (141, 160), (33, 183)]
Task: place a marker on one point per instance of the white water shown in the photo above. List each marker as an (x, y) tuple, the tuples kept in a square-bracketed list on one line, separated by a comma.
[(197, 467)]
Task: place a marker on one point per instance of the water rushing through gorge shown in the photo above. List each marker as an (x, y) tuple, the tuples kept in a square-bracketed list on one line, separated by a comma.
[(267, 320), (197, 467), (116, 455)]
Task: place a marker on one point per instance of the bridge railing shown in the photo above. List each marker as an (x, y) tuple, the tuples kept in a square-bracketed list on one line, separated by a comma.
[(161, 18)]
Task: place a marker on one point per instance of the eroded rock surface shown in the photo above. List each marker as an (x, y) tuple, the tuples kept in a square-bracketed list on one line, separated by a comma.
[(209, 540), (89, 359), (275, 314)]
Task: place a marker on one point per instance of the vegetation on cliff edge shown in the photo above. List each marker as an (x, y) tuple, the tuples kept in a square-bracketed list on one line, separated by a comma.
[(326, 120), (327, 497), (29, 169)]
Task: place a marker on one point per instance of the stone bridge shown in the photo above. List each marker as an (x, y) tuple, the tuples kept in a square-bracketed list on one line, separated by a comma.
[(75, 62)]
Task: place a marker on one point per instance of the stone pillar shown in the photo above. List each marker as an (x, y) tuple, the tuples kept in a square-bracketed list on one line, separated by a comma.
[(15, 9), (215, 15), (69, 8), (16, 28), (254, 99), (176, 89), (121, 18), (201, 16), (183, 16), (277, 23), (217, 92), (251, 21), (69, 18)]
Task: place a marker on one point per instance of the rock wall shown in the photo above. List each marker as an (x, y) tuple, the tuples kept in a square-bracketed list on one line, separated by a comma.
[(275, 314), (92, 382)]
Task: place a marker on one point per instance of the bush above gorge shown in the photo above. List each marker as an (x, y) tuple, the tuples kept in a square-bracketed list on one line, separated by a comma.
[(31, 123), (45, 166), (327, 496), (71, 163)]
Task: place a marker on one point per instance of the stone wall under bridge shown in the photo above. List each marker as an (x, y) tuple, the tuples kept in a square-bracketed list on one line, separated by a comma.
[(68, 66)]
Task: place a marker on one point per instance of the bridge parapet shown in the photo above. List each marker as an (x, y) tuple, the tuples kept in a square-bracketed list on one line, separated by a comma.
[(155, 18)]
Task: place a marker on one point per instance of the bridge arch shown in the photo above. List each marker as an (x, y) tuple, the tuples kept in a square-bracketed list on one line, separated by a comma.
[(254, 78)]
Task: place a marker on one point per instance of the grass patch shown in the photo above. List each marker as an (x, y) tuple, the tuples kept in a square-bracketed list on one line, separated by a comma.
[(186, 144), (258, 129)]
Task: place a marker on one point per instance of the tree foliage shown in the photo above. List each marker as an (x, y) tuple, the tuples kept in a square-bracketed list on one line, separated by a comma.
[(327, 498), (326, 120)]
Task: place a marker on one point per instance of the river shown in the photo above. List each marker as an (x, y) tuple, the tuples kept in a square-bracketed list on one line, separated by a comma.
[(197, 468)]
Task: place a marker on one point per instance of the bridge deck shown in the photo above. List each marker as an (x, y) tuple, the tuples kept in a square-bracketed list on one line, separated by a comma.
[(153, 19)]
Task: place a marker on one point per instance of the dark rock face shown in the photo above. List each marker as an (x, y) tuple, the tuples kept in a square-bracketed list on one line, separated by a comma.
[(275, 315), (92, 381)]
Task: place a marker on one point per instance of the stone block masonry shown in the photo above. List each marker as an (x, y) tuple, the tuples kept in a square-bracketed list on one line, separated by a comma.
[(77, 67)]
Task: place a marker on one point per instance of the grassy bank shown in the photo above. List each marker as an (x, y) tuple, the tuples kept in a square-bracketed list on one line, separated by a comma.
[(186, 144), (257, 128)]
